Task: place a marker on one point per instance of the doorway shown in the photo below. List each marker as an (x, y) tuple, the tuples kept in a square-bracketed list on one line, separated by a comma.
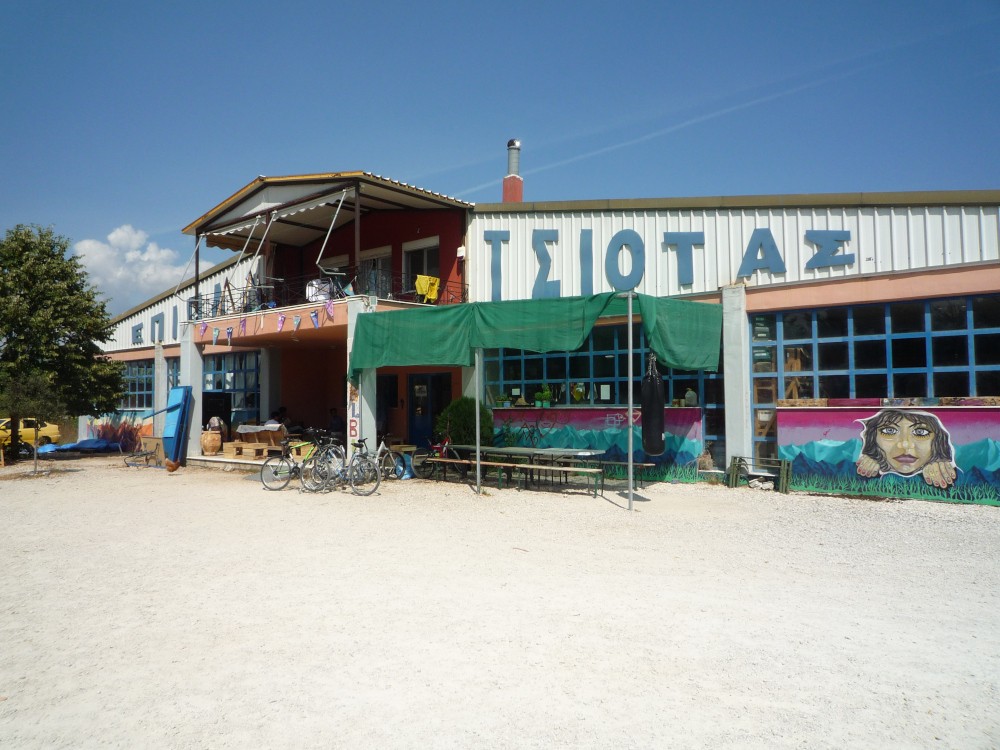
[(217, 404), (429, 394)]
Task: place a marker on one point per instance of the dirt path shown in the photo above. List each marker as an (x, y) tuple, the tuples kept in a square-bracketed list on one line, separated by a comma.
[(194, 609)]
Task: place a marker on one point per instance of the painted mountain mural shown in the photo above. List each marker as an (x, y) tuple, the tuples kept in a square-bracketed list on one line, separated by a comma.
[(830, 466)]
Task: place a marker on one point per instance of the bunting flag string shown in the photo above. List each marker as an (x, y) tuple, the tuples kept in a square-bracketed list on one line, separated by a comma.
[(229, 335), (329, 308), (202, 328), (314, 316), (215, 336), (296, 321), (243, 326), (281, 321)]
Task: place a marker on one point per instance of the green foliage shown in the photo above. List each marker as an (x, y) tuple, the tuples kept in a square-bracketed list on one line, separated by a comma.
[(891, 486), (31, 394), (51, 324), (458, 420)]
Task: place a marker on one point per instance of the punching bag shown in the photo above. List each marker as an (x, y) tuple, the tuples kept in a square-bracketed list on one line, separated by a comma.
[(652, 410)]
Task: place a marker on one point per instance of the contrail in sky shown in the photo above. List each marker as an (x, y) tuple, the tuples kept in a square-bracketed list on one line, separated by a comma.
[(659, 133), (695, 121), (679, 126)]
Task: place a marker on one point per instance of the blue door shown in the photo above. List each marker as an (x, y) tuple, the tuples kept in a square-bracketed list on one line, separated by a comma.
[(429, 394)]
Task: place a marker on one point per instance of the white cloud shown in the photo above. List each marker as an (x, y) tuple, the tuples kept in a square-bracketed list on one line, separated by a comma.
[(127, 268)]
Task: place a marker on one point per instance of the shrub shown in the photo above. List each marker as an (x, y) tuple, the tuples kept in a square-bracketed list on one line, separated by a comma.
[(458, 421)]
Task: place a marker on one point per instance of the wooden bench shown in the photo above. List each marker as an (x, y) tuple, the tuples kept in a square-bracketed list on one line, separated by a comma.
[(245, 450), (469, 463), (256, 445), (776, 470), (446, 462), (639, 468), (526, 471)]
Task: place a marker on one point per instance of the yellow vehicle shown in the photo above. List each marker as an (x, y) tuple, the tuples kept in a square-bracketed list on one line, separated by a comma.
[(47, 433)]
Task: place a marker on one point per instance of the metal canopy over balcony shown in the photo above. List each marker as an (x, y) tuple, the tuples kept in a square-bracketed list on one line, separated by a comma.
[(300, 208)]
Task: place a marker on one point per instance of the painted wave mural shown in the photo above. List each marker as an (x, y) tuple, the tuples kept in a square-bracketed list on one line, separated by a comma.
[(601, 429), (828, 465)]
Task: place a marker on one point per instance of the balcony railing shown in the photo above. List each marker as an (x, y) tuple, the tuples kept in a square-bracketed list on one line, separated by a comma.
[(313, 289)]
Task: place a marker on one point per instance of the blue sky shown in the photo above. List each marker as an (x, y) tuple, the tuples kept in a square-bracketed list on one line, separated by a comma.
[(122, 122)]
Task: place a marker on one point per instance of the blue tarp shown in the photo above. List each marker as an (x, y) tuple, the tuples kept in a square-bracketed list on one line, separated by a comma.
[(91, 445)]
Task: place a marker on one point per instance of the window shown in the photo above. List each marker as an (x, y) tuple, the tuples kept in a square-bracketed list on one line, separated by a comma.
[(915, 349), (597, 374), (173, 372), (375, 273), (420, 261), (235, 374), (138, 386)]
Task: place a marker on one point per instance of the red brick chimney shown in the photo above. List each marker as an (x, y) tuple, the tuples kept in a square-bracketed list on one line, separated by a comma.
[(513, 183)]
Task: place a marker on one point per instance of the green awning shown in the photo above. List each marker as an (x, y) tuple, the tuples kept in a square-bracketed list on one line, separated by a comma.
[(683, 334)]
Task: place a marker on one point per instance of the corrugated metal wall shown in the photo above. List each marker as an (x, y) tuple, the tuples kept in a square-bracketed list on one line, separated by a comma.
[(171, 308), (882, 240)]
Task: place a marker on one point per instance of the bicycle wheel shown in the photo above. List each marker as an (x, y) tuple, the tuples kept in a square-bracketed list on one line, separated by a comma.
[(364, 475), (331, 452), (314, 475), (333, 461), (276, 473), (463, 470), (393, 465), (423, 467)]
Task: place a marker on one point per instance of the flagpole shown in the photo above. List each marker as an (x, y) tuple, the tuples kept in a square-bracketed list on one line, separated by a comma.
[(631, 402)]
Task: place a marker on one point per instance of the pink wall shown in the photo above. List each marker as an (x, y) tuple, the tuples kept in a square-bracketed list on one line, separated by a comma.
[(940, 283)]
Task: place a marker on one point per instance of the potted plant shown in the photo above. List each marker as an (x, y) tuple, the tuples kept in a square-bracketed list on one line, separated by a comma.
[(544, 396)]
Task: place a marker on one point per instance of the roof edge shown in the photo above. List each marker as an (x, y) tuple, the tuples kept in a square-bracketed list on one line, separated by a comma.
[(186, 284), (913, 198), (261, 182)]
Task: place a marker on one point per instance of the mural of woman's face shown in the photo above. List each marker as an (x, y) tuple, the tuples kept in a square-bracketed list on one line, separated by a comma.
[(906, 445)]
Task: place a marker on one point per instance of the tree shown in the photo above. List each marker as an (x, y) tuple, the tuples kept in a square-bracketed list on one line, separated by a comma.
[(31, 392), (52, 322)]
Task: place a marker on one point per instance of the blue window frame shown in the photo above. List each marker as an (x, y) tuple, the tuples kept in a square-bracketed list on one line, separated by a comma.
[(910, 349), (173, 372), (598, 371), (236, 374), (138, 386)]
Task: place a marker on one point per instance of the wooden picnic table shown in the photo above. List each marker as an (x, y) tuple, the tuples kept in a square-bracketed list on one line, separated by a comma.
[(535, 461)]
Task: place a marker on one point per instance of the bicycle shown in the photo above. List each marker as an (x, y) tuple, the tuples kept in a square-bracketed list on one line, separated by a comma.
[(278, 471), (441, 449), (325, 464), (391, 463), (362, 472), (326, 472)]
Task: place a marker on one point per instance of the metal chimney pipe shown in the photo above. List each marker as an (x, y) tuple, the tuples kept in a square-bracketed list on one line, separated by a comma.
[(513, 156), (513, 183)]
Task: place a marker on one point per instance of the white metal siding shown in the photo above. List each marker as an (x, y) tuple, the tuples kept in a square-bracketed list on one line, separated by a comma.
[(883, 240), (122, 336)]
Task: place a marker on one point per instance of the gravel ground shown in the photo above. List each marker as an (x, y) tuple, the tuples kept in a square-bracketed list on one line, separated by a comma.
[(197, 610)]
